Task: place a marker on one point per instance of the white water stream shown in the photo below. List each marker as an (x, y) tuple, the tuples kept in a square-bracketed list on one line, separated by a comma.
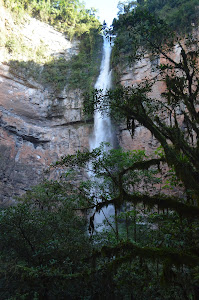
[(102, 124)]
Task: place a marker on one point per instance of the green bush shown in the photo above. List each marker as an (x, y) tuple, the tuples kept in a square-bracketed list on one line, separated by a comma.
[(67, 16), (12, 44), (179, 14), (79, 72)]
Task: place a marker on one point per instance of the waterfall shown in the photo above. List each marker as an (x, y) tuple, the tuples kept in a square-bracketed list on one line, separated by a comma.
[(102, 123)]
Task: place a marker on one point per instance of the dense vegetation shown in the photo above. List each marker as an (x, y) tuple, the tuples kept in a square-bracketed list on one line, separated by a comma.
[(142, 251), (57, 73), (180, 16), (149, 248), (69, 17)]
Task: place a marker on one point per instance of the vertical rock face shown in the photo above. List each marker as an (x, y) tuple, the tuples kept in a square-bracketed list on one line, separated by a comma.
[(144, 69), (131, 76), (37, 127)]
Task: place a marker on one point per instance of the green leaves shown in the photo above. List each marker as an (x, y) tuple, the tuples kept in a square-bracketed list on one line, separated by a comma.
[(67, 16), (45, 238), (42, 237)]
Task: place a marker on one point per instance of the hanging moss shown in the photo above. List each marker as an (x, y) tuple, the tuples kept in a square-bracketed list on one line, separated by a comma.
[(127, 251)]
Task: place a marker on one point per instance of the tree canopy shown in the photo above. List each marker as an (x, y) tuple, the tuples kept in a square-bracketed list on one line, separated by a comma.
[(67, 16), (180, 15)]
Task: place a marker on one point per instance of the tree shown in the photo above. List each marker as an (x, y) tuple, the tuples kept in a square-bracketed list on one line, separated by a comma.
[(163, 116), (43, 244), (180, 15), (44, 241), (140, 237), (172, 118)]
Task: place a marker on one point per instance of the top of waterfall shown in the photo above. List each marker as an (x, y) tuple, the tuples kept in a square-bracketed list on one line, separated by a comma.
[(107, 10), (107, 33)]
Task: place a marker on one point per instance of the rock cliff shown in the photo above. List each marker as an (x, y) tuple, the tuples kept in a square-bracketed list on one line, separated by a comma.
[(37, 126), (144, 69)]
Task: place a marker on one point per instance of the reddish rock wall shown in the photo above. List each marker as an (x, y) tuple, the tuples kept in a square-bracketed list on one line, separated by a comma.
[(37, 126), (139, 72), (35, 131)]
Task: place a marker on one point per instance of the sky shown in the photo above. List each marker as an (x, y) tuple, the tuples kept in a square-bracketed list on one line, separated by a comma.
[(107, 9)]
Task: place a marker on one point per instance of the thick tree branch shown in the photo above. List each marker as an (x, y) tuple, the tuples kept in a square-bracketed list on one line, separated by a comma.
[(143, 165), (160, 200), (127, 251)]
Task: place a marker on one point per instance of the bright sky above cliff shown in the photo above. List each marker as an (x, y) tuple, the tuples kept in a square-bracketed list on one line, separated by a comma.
[(107, 9)]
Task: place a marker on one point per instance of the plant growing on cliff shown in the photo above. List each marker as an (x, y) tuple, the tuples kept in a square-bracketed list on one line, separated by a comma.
[(180, 15), (172, 117), (70, 17), (67, 16), (155, 20), (79, 72)]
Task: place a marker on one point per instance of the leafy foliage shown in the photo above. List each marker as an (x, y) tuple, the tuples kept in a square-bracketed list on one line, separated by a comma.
[(145, 23), (79, 72), (144, 252), (70, 17), (179, 15), (172, 118), (41, 239), (67, 16), (150, 237)]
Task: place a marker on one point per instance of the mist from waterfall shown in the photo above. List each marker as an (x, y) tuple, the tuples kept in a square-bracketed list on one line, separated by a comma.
[(103, 131)]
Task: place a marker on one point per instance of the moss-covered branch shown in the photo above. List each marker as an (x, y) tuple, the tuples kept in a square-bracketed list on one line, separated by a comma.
[(127, 251), (143, 165)]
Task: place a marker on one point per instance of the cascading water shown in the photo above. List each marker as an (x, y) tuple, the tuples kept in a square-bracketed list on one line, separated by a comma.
[(102, 123)]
